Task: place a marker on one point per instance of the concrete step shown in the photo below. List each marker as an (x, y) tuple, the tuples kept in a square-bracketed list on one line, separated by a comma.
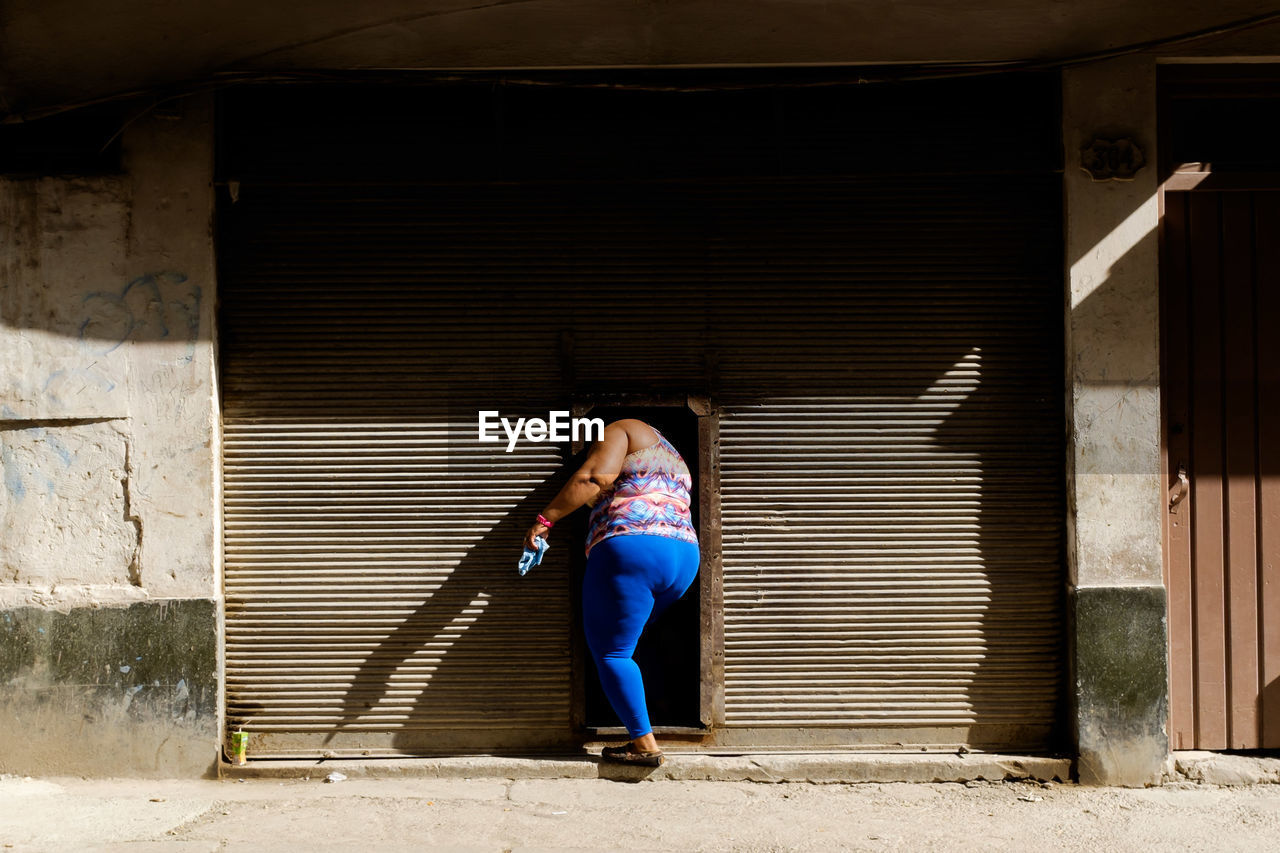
[(1224, 769), (831, 767)]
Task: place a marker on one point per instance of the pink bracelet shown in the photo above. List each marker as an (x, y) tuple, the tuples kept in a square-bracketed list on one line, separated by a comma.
[(543, 521)]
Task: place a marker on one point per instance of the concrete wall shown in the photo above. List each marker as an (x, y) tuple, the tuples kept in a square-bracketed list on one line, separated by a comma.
[(108, 447), (1116, 493)]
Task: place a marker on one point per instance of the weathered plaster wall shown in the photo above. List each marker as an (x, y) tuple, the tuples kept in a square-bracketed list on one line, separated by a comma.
[(1115, 492), (1113, 331), (108, 447), (107, 418), (66, 518)]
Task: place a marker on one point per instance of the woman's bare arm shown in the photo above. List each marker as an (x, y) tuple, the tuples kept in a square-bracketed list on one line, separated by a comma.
[(601, 468)]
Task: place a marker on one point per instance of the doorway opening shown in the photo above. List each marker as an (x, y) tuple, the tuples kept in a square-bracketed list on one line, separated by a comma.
[(669, 651)]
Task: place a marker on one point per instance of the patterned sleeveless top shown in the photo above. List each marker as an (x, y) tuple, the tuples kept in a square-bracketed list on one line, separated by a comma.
[(651, 495)]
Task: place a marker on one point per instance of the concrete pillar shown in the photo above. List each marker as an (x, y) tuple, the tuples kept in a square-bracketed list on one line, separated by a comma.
[(109, 602), (1115, 494)]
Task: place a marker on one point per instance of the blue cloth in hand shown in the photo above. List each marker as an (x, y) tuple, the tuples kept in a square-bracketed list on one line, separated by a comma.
[(530, 558)]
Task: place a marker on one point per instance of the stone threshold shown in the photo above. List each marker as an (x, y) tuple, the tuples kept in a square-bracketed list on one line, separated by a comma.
[(828, 767), (1224, 769)]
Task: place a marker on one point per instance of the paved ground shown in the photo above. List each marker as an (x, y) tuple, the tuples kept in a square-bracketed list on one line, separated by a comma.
[(370, 815)]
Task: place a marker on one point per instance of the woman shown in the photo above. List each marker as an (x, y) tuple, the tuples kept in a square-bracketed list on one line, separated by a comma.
[(642, 554)]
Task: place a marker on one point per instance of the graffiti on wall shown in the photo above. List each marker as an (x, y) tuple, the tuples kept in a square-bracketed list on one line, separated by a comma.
[(152, 307), (22, 470)]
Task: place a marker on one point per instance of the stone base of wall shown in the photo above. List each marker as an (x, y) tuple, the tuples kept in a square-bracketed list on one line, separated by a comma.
[(1121, 687), (133, 690), (110, 691)]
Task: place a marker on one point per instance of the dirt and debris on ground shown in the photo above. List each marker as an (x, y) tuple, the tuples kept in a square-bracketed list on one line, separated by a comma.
[(598, 814)]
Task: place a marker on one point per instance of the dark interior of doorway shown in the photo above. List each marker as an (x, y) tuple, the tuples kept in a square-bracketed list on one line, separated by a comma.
[(669, 650)]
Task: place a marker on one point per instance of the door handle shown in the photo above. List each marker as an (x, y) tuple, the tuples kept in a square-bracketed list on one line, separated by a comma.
[(1179, 491)]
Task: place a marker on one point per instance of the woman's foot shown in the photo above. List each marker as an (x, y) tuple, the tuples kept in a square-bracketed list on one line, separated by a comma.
[(646, 743), (632, 754)]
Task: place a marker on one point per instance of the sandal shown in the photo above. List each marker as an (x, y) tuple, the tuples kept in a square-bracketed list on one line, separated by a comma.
[(628, 755)]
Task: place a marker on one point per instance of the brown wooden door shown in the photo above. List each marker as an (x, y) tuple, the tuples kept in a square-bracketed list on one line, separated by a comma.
[(1220, 279)]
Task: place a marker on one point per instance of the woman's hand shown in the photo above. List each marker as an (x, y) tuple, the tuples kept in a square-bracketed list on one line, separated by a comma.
[(601, 468), (535, 531)]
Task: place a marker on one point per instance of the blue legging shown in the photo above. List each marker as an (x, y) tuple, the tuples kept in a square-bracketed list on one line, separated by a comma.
[(630, 580)]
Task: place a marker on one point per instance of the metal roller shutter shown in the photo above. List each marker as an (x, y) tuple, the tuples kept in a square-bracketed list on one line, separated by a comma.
[(354, 582), (370, 538), (890, 462), (884, 355)]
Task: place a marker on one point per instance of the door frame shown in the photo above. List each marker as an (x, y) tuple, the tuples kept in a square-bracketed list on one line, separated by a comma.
[(710, 572)]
